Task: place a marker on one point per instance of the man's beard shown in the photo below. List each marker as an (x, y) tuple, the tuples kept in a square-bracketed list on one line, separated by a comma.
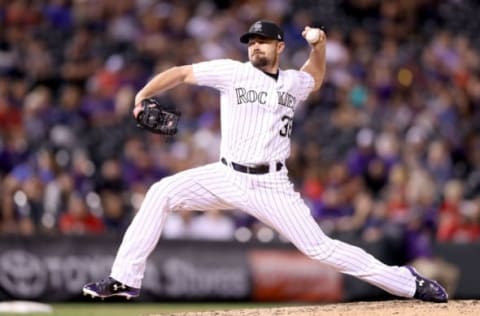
[(259, 61)]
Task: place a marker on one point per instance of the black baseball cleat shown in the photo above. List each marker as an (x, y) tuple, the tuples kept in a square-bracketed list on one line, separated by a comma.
[(109, 287), (428, 290)]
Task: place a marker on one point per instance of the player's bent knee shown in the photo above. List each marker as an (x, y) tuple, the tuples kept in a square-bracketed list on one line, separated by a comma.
[(168, 189), (162, 187)]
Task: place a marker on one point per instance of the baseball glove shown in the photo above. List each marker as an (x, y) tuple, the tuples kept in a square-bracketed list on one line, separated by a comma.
[(157, 118)]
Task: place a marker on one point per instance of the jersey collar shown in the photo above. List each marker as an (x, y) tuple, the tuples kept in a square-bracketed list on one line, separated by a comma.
[(274, 76)]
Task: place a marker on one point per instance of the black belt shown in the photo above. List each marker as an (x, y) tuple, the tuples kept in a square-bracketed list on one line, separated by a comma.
[(258, 169)]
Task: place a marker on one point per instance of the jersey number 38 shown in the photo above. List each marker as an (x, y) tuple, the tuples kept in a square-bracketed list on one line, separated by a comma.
[(286, 130)]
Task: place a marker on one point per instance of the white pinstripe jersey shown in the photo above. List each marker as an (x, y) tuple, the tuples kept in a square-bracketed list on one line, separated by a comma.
[(256, 110)]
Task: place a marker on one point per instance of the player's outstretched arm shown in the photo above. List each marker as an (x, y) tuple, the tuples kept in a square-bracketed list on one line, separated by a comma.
[(162, 82), (315, 64)]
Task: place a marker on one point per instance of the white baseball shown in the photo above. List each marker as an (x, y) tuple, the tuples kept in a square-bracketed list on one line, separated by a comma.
[(312, 36)]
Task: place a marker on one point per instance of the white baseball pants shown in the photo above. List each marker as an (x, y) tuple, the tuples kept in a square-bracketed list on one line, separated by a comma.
[(270, 198)]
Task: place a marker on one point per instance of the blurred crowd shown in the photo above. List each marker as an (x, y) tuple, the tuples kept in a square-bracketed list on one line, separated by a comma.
[(390, 144)]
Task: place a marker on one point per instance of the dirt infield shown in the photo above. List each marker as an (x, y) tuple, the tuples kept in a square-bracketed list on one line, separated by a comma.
[(384, 308)]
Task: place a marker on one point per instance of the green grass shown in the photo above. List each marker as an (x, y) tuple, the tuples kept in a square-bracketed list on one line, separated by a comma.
[(139, 309)]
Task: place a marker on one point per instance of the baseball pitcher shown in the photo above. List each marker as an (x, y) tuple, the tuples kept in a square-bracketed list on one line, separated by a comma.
[(258, 101)]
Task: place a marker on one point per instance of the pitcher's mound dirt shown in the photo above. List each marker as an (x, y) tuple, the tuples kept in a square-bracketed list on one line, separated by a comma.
[(384, 308)]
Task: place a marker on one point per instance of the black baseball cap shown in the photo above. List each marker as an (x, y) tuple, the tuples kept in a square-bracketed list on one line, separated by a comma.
[(263, 28)]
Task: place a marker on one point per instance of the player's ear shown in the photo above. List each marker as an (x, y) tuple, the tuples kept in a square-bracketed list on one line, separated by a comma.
[(280, 47)]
